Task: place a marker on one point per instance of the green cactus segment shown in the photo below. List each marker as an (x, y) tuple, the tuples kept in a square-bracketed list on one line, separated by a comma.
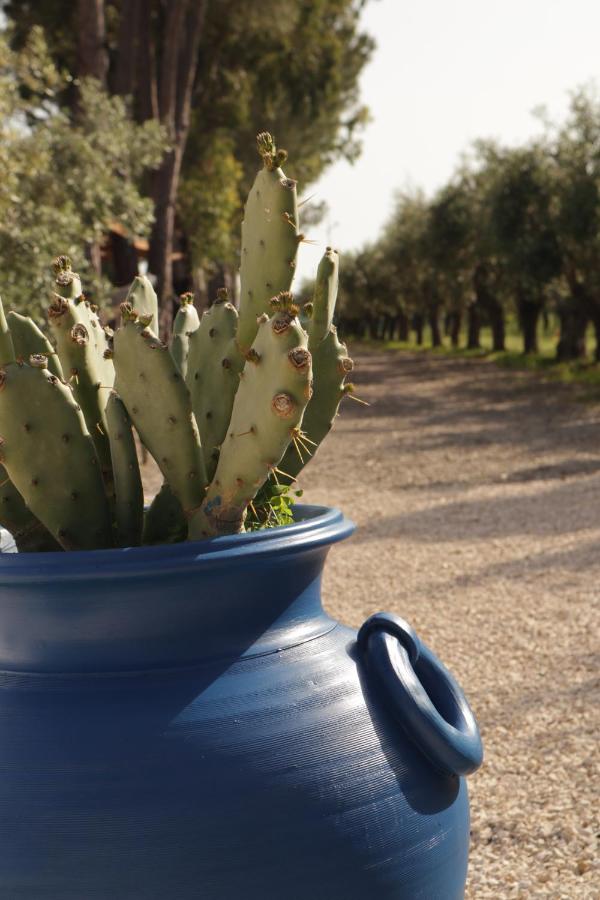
[(29, 533), (50, 457), (323, 305), (270, 240), (7, 350), (274, 390), (79, 344), (100, 344), (165, 522), (142, 298), (213, 375), (28, 339), (159, 405), (185, 325), (129, 493), (68, 282), (331, 364)]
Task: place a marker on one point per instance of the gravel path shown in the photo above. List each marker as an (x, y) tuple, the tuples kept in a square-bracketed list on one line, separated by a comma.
[(477, 495)]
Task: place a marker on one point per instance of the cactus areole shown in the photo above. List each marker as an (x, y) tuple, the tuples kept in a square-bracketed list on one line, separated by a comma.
[(181, 719)]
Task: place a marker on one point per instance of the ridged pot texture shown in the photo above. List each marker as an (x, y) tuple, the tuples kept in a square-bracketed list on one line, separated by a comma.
[(186, 722)]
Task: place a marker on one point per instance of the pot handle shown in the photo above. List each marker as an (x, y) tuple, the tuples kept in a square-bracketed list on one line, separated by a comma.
[(425, 699)]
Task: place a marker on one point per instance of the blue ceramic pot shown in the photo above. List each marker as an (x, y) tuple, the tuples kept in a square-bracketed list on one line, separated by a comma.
[(186, 722)]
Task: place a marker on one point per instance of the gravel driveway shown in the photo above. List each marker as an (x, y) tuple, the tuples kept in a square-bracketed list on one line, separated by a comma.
[(477, 495)]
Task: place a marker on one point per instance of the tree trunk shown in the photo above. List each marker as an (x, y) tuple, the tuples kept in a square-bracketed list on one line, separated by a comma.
[(496, 316), (454, 328), (434, 324), (92, 58), (596, 321), (571, 341), (128, 61), (529, 313), (419, 325), (403, 327), (178, 66), (473, 327)]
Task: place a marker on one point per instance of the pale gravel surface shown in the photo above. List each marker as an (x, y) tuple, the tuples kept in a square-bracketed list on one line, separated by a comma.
[(477, 496)]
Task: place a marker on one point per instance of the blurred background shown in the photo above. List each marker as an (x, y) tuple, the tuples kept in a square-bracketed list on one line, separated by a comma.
[(450, 152)]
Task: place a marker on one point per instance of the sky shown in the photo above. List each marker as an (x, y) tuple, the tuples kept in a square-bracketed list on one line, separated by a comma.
[(445, 72)]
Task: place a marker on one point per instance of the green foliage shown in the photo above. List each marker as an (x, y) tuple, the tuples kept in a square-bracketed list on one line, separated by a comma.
[(292, 67), (516, 231), (63, 177), (273, 505), (209, 199)]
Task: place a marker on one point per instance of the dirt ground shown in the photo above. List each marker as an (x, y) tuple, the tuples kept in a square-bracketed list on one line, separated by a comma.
[(477, 496)]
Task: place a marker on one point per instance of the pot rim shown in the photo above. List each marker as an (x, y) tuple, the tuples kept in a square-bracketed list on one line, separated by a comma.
[(314, 526)]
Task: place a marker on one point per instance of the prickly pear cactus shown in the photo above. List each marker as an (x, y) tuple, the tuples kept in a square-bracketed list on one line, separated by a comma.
[(158, 402), (270, 239), (274, 390), (331, 365), (185, 324), (81, 343), (28, 339), (50, 457), (324, 299), (213, 375), (29, 533), (231, 407), (129, 493)]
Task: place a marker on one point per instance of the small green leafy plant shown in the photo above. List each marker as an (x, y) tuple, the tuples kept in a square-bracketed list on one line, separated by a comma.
[(231, 408)]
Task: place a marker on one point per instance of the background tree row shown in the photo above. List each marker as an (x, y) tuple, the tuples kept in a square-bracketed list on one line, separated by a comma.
[(514, 235)]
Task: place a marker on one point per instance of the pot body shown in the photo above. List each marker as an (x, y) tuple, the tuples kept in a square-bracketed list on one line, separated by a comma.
[(186, 722)]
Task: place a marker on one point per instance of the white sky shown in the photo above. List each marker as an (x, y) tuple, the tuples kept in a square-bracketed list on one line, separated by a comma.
[(445, 72)]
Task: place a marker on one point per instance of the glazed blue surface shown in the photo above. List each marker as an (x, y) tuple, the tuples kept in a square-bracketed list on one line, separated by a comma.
[(187, 722)]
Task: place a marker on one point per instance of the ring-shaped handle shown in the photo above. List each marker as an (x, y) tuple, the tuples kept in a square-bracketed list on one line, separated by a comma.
[(424, 697)]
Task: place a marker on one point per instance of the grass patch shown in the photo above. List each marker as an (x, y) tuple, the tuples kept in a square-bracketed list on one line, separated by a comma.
[(584, 373)]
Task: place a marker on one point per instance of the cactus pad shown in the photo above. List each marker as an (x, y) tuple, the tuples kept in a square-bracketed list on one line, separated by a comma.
[(185, 324), (50, 457), (159, 405), (270, 239), (274, 389), (129, 493), (213, 375)]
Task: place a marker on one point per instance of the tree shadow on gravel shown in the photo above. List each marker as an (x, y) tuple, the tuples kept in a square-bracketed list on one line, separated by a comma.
[(559, 510), (584, 557)]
